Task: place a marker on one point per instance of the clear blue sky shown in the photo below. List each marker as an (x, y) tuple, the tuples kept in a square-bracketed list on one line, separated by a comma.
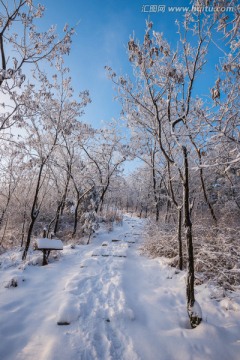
[(101, 39)]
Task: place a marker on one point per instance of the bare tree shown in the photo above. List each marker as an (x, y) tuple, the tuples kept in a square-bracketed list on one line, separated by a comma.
[(48, 118), (162, 103), (22, 48), (106, 155)]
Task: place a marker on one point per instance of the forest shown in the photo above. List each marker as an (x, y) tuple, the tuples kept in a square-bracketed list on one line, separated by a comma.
[(63, 178)]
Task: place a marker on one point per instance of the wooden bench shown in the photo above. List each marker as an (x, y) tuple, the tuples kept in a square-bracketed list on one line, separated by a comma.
[(46, 245)]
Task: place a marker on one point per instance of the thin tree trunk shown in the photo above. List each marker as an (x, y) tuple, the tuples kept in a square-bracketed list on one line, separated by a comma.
[(88, 242), (179, 210), (23, 225), (4, 210), (34, 213), (167, 216), (79, 198), (157, 212), (203, 183), (66, 190), (155, 186), (179, 236), (76, 217), (57, 216), (102, 197), (62, 203), (207, 199), (49, 225), (4, 231), (194, 316), (33, 219)]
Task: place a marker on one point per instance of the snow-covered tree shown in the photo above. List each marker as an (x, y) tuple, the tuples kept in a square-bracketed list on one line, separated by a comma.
[(51, 113), (23, 47)]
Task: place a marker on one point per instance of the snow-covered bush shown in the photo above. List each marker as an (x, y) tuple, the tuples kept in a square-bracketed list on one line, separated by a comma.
[(89, 219), (15, 281), (216, 251), (160, 240)]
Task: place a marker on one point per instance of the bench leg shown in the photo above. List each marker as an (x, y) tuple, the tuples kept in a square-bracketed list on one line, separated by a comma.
[(45, 262)]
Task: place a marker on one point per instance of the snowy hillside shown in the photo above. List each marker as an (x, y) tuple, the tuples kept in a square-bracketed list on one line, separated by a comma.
[(106, 301)]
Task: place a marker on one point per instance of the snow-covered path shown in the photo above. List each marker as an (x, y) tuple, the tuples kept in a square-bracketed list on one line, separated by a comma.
[(120, 306)]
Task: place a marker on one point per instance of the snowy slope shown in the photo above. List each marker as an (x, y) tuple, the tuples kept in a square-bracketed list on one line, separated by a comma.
[(119, 305)]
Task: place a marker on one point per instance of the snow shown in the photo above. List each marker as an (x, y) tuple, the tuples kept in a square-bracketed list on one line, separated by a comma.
[(69, 311), (119, 305), (44, 243), (15, 281)]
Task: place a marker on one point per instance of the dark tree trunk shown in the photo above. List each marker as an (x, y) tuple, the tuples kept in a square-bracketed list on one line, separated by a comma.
[(50, 225), (57, 216), (62, 203), (76, 217), (179, 235), (102, 197), (179, 228), (89, 237), (167, 216), (155, 186), (194, 317), (23, 225), (157, 212), (206, 197), (79, 198), (33, 219), (4, 231), (4, 210), (34, 213), (203, 183)]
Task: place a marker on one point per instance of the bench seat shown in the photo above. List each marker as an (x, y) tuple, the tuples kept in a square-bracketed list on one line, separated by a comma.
[(46, 245), (49, 244)]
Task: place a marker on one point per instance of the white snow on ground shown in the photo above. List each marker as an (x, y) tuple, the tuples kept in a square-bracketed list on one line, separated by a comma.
[(120, 306)]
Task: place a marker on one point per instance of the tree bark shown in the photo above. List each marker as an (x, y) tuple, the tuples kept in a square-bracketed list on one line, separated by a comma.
[(34, 213), (155, 186), (76, 217), (79, 198), (23, 225), (4, 231), (194, 317), (57, 216), (179, 236), (167, 216), (206, 195), (61, 205), (103, 196)]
